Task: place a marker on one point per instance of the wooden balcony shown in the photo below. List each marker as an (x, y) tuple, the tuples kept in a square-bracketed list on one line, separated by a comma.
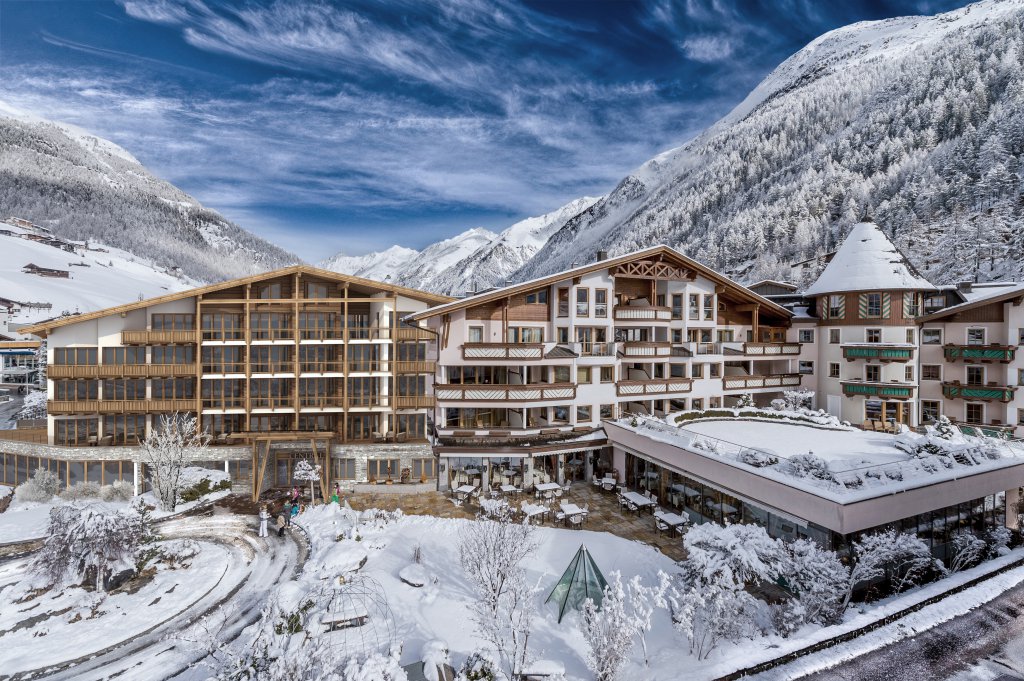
[(414, 401), (158, 337), (986, 393), (894, 391), (760, 381), (645, 349), (641, 313), (533, 392), (120, 370), (408, 333), (984, 354), (879, 352), (119, 406), (328, 367), (771, 349), (321, 401), (503, 351), (414, 367), (653, 386)]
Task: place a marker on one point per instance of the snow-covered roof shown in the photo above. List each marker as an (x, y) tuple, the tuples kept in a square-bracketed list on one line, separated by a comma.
[(868, 261), (978, 296)]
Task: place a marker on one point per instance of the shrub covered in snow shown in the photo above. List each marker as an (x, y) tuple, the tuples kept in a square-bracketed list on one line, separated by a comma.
[(998, 540), (6, 495), (119, 490), (757, 458), (34, 406), (195, 483), (81, 491), (479, 666), (798, 399), (41, 487), (809, 465)]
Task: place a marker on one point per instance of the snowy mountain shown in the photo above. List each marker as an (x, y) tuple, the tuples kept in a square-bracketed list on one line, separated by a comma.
[(84, 187), (98, 277), (917, 122), (473, 260)]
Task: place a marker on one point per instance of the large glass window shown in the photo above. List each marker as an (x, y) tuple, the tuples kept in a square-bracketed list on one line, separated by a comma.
[(174, 388), (601, 302), (76, 390), (173, 354), (125, 355), (931, 336), (173, 322), (222, 326), (874, 304), (75, 356), (124, 389), (976, 336), (582, 302)]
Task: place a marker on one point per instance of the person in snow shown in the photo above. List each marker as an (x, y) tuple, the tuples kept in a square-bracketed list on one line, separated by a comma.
[(264, 517), (282, 521), (288, 513), (336, 497), (295, 495)]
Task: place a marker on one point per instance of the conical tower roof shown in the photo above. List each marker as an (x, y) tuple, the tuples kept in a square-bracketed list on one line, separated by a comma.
[(580, 581), (868, 261)]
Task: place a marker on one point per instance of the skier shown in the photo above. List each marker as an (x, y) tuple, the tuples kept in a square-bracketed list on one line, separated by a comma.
[(264, 517)]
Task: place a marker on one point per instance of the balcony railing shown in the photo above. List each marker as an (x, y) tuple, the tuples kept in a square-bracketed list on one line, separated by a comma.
[(223, 402), (881, 352), (327, 367), (897, 391), (119, 406), (760, 381), (285, 367), (771, 349), (595, 349), (533, 392), (414, 367), (499, 351), (406, 333), (414, 401), (954, 391), (158, 337), (709, 348), (980, 353), (272, 402), (120, 370), (645, 349), (654, 386), (224, 367), (645, 313), (321, 401)]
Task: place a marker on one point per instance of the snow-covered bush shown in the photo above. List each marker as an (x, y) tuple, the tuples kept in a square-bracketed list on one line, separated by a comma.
[(809, 465), (608, 631), (757, 458), (902, 557), (6, 495), (944, 428), (34, 406), (798, 399), (998, 539), (818, 580), (89, 543), (119, 490), (81, 491), (375, 667), (435, 657), (778, 404), (41, 487), (479, 666), (745, 400), (965, 551), (195, 483)]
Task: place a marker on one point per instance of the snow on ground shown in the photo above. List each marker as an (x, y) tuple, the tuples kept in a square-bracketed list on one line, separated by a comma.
[(112, 278), (440, 609), (56, 628)]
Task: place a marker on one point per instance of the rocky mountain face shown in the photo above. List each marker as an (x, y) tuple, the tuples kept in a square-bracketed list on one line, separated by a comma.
[(917, 122), (84, 187)]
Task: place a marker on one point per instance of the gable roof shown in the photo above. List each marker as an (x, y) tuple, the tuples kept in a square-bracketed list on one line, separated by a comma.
[(868, 261), (660, 250), (42, 328), (997, 295), (773, 282)]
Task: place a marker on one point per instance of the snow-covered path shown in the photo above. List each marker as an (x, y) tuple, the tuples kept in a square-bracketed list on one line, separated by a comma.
[(254, 567)]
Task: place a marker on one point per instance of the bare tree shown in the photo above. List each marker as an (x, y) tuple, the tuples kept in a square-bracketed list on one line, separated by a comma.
[(492, 552), (166, 451), (608, 630), (304, 470)]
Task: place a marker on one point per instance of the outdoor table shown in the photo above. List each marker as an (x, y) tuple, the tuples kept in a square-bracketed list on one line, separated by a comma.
[(532, 511), (548, 487), (464, 491), (640, 500), (509, 489), (571, 509), (472, 471), (670, 519)]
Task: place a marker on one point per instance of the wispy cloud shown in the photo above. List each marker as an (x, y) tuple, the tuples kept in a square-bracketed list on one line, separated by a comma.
[(709, 48)]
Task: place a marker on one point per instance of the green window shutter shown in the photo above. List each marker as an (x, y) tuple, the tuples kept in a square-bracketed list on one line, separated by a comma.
[(842, 306), (862, 306), (886, 305)]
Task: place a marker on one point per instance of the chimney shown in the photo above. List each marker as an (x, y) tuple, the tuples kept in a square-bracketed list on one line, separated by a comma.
[(601, 255), (964, 286)]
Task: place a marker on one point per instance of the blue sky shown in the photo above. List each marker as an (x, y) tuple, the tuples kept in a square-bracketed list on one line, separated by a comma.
[(353, 126)]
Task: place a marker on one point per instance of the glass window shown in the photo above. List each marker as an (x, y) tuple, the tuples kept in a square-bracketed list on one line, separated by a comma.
[(911, 305), (873, 335), (694, 306), (806, 336), (562, 334), (975, 413), (563, 302), (583, 375), (601, 302), (833, 336), (583, 413), (1020, 336), (806, 367), (561, 374), (975, 336), (975, 375), (715, 370), (476, 334), (709, 308), (1020, 417), (698, 371), (874, 305), (607, 374), (582, 302), (908, 373), (537, 297), (677, 306), (608, 411), (872, 373), (173, 322), (931, 372), (316, 289), (270, 290), (930, 410), (911, 336), (835, 306), (833, 369), (931, 336)]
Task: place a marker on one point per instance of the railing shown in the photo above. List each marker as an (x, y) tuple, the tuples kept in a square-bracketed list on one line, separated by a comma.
[(334, 333), (634, 313), (654, 386), (955, 391), (414, 401), (532, 392), (286, 333), (117, 406), (980, 353), (224, 368), (321, 401), (645, 349), (402, 366), (760, 381), (406, 333), (771, 349), (223, 335), (285, 367), (120, 370), (709, 348), (366, 367), (330, 366), (879, 351), (223, 402), (870, 389), (272, 402), (158, 337), (35, 435), (596, 349), (503, 351), (683, 350), (999, 430)]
